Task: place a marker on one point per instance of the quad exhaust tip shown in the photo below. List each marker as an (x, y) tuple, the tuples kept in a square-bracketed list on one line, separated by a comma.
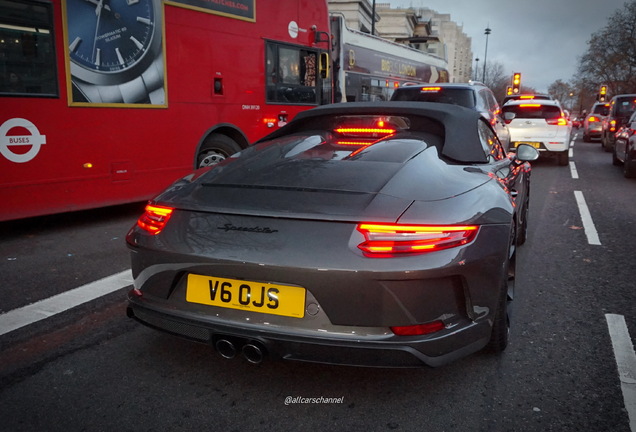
[(253, 352), (225, 348)]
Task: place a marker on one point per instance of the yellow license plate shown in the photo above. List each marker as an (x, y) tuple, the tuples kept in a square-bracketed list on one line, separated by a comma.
[(533, 144), (285, 300)]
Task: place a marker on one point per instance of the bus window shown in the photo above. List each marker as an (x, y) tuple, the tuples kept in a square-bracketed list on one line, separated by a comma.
[(27, 57), (291, 75)]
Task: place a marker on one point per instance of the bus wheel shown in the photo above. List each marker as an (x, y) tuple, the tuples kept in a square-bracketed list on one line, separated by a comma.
[(216, 148)]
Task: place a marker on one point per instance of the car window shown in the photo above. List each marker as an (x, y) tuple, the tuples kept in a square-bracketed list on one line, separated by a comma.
[(490, 143), (625, 106), (454, 96), (600, 109), (491, 102), (529, 97), (534, 111), (483, 100)]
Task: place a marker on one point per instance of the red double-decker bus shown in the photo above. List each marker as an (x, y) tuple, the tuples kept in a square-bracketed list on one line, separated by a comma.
[(108, 101)]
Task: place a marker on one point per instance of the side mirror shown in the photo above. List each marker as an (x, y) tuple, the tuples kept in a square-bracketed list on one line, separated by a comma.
[(324, 65), (508, 116), (527, 153)]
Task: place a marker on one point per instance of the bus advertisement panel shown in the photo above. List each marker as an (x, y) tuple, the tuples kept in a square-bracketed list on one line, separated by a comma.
[(368, 68), (107, 102)]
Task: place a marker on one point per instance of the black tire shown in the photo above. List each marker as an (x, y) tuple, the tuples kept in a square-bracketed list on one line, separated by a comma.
[(615, 160), (500, 335), (216, 148), (629, 167), (522, 231), (562, 158)]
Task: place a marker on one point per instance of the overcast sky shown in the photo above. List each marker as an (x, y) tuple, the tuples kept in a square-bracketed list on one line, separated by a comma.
[(541, 39)]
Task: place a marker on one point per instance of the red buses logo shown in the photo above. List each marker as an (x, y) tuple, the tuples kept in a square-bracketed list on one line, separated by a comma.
[(33, 139)]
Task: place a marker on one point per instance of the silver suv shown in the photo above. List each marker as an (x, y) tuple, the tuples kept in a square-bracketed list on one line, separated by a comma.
[(471, 95)]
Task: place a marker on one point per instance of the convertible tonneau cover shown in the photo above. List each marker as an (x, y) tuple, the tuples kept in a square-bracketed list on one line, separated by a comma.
[(458, 122)]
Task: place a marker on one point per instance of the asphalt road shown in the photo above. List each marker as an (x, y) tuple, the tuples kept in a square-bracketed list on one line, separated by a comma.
[(93, 369)]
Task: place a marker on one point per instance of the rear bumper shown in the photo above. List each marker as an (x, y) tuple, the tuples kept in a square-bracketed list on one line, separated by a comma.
[(594, 130), (363, 350), (556, 146)]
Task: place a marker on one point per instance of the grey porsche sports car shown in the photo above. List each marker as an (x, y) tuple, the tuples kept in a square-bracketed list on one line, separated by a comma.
[(370, 234)]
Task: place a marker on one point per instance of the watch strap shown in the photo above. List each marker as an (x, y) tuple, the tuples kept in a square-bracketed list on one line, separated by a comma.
[(146, 88)]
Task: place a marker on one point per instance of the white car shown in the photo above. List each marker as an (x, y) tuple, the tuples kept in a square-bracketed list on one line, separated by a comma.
[(541, 124)]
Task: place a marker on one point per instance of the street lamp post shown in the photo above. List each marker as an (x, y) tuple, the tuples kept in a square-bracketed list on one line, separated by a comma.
[(486, 32), (476, 74)]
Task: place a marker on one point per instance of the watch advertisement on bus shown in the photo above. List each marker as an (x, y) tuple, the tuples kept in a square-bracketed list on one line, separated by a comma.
[(116, 52), (363, 60)]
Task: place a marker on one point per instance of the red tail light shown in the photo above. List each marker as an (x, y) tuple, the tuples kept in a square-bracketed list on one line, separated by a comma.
[(593, 119), (419, 329), (384, 240), (155, 218), (365, 131), (612, 126), (560, 121)]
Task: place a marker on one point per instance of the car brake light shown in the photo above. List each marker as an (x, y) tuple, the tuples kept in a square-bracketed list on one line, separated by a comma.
[(155, 218), (431, 89), (593, 119), (365, 131), (384, 240), (529, 105), (419, 329), (612, 126), (526, 97), (560, 121), (351, 143)]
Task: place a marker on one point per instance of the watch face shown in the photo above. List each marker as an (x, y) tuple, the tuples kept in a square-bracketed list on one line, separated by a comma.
[(109, 35)]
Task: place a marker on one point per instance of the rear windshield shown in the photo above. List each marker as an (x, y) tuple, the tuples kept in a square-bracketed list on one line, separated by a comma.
[(625, 106), (534, 111), (357, 137), (528, 97), (601, 109), (454, 96)]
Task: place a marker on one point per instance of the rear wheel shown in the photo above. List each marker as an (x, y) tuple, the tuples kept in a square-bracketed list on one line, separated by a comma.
[(500, 335), (615, 160), (522, 231), (629, 166), (216, 148)]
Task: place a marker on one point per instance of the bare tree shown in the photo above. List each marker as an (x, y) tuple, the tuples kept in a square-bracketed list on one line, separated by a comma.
[(564, 93), (611, 55)]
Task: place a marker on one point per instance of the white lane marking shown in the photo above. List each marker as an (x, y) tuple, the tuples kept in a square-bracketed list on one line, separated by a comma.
[(586, 218), (626, 362), (573, 171), (571, 152), (42, 309)]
